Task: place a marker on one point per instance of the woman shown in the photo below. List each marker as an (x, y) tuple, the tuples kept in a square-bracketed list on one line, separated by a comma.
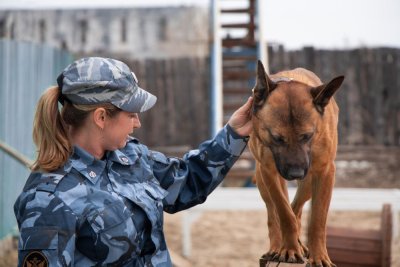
[(96, 196)]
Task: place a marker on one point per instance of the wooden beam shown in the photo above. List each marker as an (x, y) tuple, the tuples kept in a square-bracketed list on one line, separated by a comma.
[(238, 10), (178, 260), (229, 42), (264, 263), (238, 75), (239, 25), (24, 160)]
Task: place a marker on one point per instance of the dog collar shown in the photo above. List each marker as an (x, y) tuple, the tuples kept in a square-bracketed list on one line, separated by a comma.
[(282, 79)]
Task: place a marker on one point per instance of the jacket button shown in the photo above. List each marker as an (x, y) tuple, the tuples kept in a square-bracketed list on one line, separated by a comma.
[(92, 174)]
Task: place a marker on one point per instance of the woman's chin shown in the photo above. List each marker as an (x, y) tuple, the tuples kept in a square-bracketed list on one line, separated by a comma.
[(122, 145)]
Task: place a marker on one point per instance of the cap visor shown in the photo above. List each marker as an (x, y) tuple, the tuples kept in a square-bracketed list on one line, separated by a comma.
[(149, 102), (139, 102)]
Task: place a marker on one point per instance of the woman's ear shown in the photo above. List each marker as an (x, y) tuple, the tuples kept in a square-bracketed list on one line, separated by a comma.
[(99, 117)]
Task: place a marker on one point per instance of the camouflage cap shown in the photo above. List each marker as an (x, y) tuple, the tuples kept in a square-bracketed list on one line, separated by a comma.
[(95, 80)]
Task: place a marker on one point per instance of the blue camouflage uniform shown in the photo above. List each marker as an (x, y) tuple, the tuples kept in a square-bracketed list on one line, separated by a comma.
[(109, 212)]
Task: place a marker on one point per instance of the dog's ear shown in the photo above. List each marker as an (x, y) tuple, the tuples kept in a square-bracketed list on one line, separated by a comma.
[(263, 87), (323, 93)]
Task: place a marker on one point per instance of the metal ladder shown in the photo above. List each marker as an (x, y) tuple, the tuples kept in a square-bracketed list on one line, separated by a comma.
[(237, 44)]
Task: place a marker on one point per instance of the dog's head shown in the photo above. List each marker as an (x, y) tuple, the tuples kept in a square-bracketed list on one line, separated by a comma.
[(286, 118)]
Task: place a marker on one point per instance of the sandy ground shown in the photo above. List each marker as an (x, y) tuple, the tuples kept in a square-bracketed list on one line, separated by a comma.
[(238, 239)]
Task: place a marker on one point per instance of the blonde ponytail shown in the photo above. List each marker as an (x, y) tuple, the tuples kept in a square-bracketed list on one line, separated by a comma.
[(50, 133), (51, 128)]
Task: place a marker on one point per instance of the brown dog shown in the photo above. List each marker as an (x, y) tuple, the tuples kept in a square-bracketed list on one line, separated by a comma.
[(295, 137)]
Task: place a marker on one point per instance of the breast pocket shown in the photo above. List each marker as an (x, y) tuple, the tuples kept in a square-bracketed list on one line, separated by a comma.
[(107, 234), (38, 246)]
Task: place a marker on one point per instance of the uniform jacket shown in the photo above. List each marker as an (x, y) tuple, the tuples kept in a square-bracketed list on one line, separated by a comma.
[(110, 212)]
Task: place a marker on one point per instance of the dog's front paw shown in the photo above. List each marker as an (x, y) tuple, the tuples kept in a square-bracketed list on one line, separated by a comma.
[(320, 261), (270, 255), (290, 256), (306, 253)]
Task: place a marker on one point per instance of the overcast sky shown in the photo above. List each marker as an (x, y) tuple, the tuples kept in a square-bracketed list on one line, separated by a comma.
[(321, 23)]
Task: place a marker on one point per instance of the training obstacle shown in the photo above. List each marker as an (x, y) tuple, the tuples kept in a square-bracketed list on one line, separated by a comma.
[(349, 247)]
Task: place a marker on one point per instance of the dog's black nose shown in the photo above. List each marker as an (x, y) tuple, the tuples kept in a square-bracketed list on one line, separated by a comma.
[(296, 173)]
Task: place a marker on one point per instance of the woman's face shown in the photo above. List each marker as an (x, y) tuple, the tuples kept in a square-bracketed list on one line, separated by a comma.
[(118, 128)]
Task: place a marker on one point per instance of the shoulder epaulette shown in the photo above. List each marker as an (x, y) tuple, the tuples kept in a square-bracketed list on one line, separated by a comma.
[(49, 182), (44, 181)]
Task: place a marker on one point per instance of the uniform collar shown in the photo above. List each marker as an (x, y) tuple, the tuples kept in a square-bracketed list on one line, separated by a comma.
[(87, 164), (120, 157), (127, 155)]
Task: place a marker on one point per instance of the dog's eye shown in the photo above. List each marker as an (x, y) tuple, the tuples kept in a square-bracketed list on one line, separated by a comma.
[(278, 139), (306, 137)]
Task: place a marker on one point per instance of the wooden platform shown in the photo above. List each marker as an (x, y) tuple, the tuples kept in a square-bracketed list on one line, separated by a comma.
[(280, 264)]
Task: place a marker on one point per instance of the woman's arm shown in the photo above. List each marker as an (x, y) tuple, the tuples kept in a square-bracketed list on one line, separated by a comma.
[(47, 230), (190, 180)]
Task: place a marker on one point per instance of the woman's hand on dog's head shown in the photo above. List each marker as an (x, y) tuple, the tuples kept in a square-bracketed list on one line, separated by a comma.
[(240, 121)]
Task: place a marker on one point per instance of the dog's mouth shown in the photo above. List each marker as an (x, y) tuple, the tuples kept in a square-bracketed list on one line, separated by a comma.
[(293, 166)]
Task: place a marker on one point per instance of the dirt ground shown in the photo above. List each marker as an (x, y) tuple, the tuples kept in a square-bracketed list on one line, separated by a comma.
[(238, 239)]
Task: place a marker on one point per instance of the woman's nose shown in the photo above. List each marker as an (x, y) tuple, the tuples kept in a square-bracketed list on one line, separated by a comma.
[(136, 123)]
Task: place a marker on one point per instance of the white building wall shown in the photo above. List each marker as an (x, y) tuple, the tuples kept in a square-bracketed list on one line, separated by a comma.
[(150, 32)]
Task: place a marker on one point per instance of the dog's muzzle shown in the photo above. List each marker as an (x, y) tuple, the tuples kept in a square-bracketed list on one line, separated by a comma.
[(296, 173)]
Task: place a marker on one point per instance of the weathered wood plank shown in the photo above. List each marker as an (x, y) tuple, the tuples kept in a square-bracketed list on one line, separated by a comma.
[(387, 234), (280, 264)]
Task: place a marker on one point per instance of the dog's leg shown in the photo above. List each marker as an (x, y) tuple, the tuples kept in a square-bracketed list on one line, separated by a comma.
[(274, 230), (290, 250), (322, 186), (303, 194)]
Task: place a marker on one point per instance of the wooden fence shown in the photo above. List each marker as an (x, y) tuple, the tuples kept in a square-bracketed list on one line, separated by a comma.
[(181, 116), (369, 99)]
